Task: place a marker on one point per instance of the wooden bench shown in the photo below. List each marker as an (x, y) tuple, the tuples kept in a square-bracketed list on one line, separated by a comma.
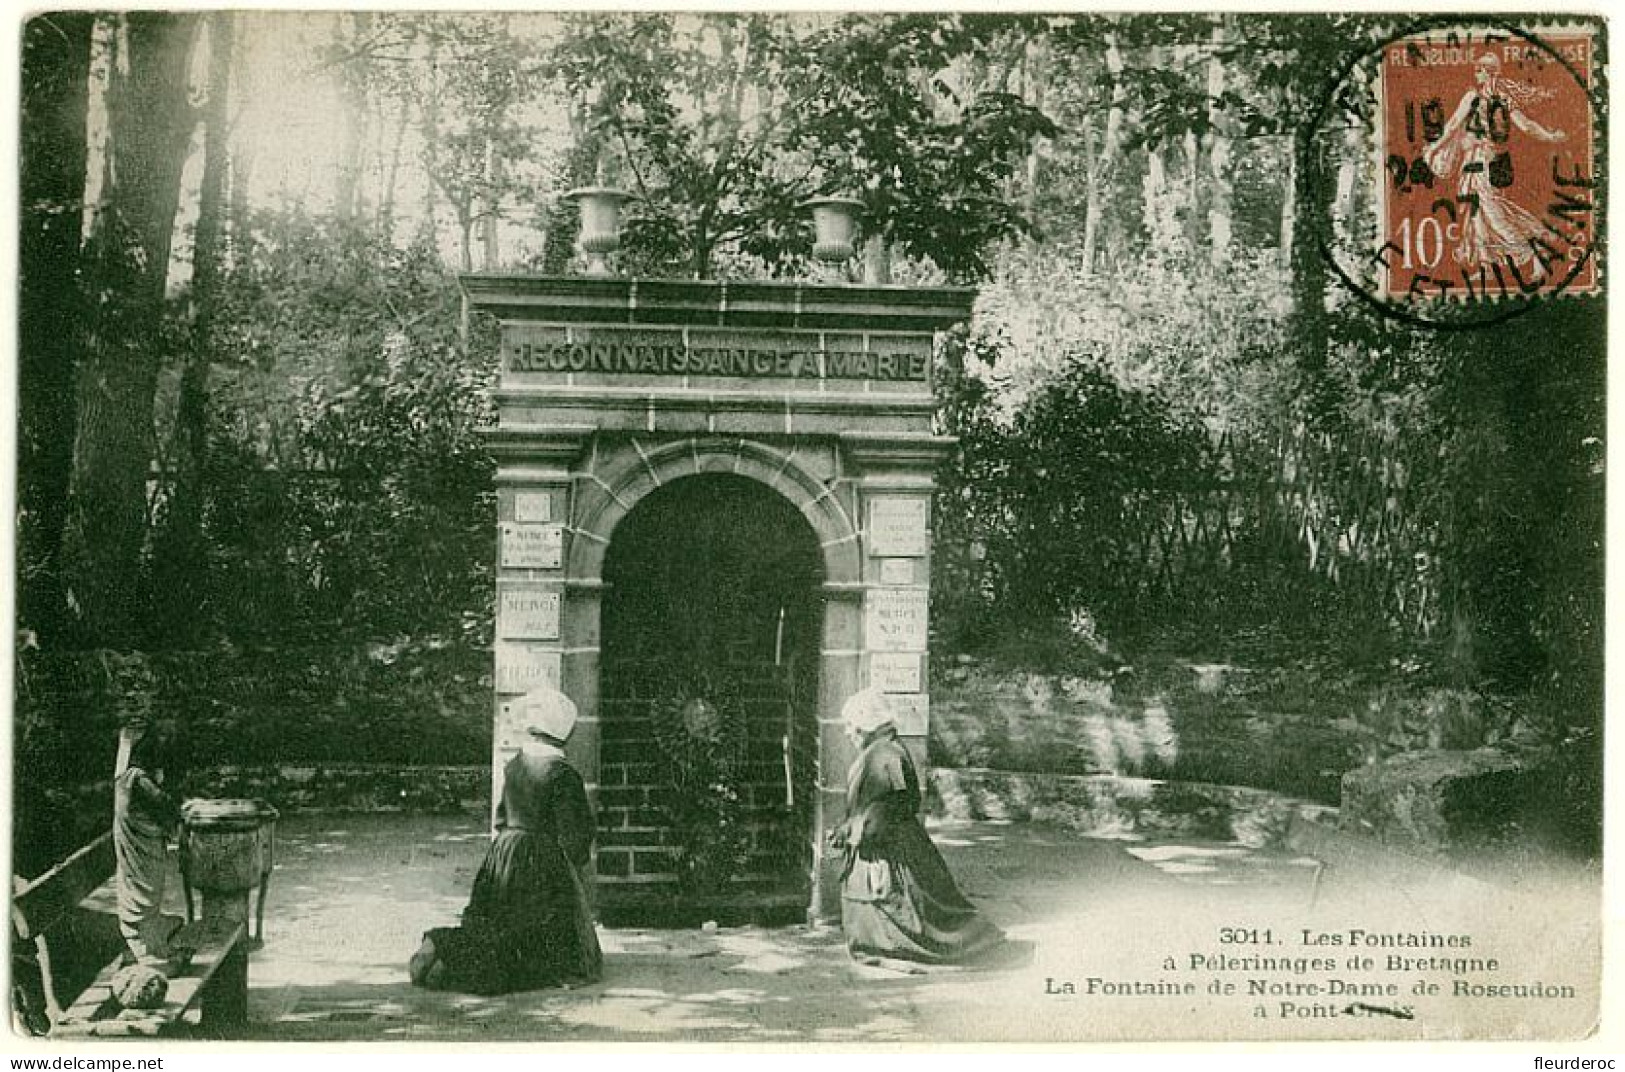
[(213, 979)]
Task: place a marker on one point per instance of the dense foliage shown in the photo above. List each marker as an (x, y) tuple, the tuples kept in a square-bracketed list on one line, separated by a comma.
[(722, 131), (349, 493), (1175, 431)]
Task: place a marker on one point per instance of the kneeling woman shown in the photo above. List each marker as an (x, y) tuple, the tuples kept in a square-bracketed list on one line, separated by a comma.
[(897, 897), (528, 923)]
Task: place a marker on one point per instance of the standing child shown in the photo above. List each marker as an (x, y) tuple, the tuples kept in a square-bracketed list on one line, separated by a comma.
[(144, 816)]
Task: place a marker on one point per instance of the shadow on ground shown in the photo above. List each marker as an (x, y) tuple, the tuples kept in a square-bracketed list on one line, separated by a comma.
[(351, 896)]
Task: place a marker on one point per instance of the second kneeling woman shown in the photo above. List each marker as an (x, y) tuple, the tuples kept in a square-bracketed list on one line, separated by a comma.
[(898, 899), (528, 923)]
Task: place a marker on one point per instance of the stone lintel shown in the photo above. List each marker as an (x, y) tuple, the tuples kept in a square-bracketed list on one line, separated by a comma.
[(557, 476)]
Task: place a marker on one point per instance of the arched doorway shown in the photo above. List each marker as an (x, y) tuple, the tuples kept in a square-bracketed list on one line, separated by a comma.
[(711, 621)]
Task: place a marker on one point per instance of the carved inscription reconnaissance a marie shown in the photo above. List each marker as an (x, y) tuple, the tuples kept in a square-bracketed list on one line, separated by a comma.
[(754, 356)]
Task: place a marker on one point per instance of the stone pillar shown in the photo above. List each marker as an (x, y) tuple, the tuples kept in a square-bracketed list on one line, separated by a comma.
[(896, 483), (840, 675), (532, 610)]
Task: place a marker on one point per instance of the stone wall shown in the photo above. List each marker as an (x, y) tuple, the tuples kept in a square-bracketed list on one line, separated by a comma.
[(348, 728), (1467, 808), (1112, 806), (1179, 722)]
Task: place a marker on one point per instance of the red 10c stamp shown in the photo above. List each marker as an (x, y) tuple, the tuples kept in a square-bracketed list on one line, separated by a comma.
[(1488, 181)]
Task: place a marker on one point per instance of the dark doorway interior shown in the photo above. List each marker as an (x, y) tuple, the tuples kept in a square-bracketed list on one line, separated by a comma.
[(709, 678)]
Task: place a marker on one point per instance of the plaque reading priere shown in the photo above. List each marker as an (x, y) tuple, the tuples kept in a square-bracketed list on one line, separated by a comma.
[(897, 526), (528, 611), (533, 507), (895, 619), (532, 546), (895, 672), (522, 667)]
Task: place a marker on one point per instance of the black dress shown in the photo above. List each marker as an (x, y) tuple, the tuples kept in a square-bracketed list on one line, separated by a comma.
[(528, 924), (898, 898)]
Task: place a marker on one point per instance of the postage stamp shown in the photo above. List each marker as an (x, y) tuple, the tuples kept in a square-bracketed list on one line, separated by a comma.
[(1488, 173)]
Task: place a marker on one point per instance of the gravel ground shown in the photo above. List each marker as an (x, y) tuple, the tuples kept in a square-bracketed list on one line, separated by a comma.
[(352, 893)]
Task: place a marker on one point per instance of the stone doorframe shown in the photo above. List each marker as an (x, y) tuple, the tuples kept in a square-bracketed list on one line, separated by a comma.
[(847, 440)]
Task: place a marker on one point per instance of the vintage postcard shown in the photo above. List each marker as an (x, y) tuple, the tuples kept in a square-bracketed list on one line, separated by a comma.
[(809, 529)]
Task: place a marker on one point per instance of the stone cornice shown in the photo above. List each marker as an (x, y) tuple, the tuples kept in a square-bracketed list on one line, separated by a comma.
[(706, 303), (589, 398), (541, 445), (896, 450)]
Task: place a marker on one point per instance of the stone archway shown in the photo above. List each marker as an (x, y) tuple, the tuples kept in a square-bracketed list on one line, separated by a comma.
[(711, 614), (613, 392), (614, 479), (617, 476)]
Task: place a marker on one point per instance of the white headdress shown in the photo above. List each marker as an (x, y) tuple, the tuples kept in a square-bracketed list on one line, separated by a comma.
[(546, 712), (867, 711)]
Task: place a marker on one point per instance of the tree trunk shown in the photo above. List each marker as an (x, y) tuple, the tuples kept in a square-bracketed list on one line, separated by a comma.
[(1161, 218), (1219, 223), (1106, 158), (1195, 208), (239, 174), (149, 127), (238, 222), (1289, 207), (465, 235), (429, 115), (1308, 270), (55, 93), (353, 115), (1036, 65), (1193, 217), (181, 560), (490, 253), (877, 261), (1350, 170), (386, 197)]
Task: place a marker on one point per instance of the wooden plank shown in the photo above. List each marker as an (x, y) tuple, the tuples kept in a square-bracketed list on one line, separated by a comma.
[(97, 1013), (36, 907)]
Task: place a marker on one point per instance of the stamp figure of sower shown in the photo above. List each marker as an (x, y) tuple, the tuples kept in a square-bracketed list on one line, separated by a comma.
[(1489, 166), (1498, 228)]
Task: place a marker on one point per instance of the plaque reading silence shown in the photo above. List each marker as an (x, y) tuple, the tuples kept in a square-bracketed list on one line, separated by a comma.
[(895, 672), (522, 666)]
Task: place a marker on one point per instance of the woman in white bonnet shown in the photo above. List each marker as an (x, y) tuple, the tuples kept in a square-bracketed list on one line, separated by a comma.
[(898, 898), (528, 923)]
